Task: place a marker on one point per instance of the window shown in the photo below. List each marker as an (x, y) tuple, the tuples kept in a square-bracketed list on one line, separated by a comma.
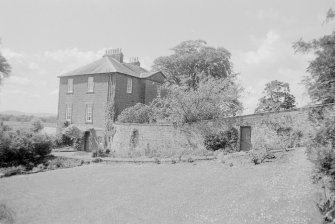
[(89, 113), (68, 112), (70, 85), (129, 85), (159, 90), (90, 85)]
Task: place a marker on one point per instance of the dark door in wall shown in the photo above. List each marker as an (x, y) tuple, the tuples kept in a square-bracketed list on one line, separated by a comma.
[(87, 141), (245, 142)]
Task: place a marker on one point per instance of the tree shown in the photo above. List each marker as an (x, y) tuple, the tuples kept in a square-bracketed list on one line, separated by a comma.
[(277, 98), (321, 81), (192, 60), (213, 98), (36, 125), (5, 68)]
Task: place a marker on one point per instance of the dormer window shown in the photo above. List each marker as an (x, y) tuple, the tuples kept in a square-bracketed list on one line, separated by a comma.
[(70, 85), (90, 85), (129, 85)]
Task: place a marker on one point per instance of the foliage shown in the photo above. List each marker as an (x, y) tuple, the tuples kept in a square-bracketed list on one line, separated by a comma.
[(72, 132), (191, 60), (140, 113), (4, 127), (5, 68), (62, 140), (36, 125), (321, 81), (214, 98), (321, 151), (257, 156), (70, 136), (277, 98), (222, 140), (321, 147), (24, 148)]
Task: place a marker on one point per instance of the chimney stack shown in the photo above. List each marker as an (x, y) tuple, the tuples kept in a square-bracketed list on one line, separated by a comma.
[(115, 53), (134, 61)]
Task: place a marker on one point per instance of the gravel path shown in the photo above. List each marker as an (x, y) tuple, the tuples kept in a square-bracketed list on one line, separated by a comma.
[(203, 192)]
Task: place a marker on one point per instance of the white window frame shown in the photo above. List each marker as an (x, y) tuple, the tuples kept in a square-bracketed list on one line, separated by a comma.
[(68, 112), (129, 85), (159, 90), (90, 84), (70, 85), (89, 113)]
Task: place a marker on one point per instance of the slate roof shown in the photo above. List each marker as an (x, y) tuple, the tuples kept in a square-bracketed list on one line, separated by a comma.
[(108, 64)]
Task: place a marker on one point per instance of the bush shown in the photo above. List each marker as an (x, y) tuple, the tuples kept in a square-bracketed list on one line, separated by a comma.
[(23, 148), (222, 140), (36, 125), (140, 113), (257, 156), (72, 132), (215, 142), (41, 145), (70, 136)]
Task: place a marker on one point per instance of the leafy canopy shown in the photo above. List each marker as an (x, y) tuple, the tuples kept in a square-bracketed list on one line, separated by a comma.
[(321, 81), (277, 98), (5, 68), (191, 61), (213, 98)]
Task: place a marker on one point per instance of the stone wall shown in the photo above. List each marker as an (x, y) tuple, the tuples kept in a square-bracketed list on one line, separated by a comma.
[(167, 139), (153, 140)]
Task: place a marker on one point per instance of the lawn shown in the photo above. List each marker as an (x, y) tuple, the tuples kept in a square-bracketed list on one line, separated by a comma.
[(201, 192)]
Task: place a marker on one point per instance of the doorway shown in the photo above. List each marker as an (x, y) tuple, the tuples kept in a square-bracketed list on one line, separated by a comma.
[(86, 141), (245, 138)]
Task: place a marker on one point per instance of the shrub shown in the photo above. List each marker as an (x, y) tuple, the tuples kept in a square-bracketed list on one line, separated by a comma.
[(215, 142), (72, 132), (70, 136), (257, 156), (41, 144), (222, 140), (36, 125), (78, 144), (24, 148), (4, 127), (62, 140), (190, 160), (11, 171), (140, 113)]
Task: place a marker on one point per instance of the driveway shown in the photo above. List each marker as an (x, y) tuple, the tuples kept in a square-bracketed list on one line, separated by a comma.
[(202, 192)]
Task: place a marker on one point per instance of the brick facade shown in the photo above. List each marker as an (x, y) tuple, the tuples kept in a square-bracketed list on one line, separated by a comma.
[(80, 98), (110, 75)]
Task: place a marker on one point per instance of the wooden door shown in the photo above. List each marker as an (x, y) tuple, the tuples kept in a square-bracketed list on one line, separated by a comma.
[(245, 140)]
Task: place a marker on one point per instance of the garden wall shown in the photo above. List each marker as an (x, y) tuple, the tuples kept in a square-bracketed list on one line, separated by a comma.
[(168, 140)]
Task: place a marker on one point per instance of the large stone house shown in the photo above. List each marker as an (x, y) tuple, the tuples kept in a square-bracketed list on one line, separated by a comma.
[(84, 92)]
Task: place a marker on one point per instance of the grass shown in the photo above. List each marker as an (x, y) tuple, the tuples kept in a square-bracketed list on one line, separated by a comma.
[(198, 192), (6, 214)]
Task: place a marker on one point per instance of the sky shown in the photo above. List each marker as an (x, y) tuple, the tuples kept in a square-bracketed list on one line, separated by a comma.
[(42, 39)]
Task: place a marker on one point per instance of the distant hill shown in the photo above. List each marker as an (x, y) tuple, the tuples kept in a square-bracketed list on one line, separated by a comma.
[(18, 116), (19, 113)]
